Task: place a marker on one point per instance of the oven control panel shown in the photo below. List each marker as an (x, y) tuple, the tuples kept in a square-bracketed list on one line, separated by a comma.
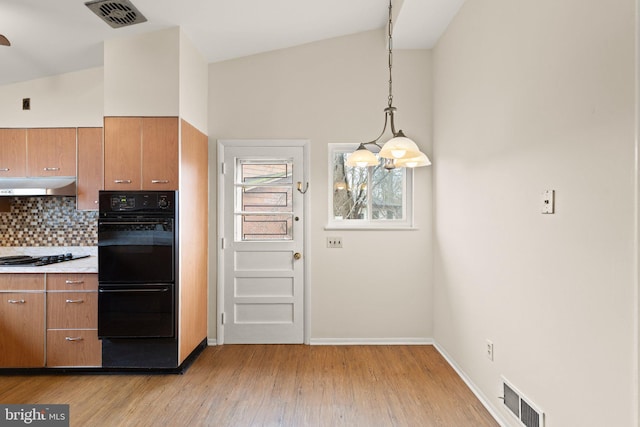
[(136, 201)]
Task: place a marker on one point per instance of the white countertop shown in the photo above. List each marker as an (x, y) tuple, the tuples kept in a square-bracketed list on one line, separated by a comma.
[(84, 265)]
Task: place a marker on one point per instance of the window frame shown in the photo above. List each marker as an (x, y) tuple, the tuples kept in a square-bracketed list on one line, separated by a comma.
[(406, 223)]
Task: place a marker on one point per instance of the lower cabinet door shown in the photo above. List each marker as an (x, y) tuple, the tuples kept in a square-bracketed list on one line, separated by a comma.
[(73, 348), (21, 330)]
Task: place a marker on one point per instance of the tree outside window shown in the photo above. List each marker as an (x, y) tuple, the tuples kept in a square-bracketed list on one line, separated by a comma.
[(372, 197)]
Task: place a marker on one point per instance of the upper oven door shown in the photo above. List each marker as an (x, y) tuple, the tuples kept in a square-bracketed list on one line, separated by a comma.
[(136, 250)]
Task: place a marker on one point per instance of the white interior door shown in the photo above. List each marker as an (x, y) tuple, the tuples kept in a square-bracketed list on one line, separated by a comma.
[(262, 242)]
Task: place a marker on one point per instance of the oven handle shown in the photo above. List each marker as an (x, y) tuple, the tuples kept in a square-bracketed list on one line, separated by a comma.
[(132, 290), (134, 223)]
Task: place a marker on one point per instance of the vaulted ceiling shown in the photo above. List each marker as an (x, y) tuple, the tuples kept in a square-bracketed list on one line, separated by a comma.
[(53, 37)]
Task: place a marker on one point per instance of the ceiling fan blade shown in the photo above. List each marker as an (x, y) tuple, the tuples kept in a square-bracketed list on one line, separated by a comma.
[(4, 41)]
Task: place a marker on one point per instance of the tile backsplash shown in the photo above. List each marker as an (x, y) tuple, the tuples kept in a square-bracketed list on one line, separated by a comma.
[(47, 221)]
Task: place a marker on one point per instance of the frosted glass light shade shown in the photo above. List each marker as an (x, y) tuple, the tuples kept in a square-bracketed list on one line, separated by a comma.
[(399, 147), (362, 158), (414, 162)]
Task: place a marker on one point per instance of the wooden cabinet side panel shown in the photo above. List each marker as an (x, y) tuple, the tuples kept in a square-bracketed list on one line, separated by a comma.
[(51, 152), (193, 240), (21, 330), (13, 152), (160, 153), (22, 282), (122, 153), (90, 168)]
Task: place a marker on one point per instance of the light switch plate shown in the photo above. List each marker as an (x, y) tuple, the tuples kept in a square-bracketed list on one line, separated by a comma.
[(548, 202)]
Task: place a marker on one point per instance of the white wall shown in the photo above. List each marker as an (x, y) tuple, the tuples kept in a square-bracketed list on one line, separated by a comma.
[(193, 84), (379, 285), (71, 99), (141, 74), (530, 96)]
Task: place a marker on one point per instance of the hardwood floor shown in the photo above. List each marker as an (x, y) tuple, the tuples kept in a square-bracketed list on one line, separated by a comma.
[(269, 385)]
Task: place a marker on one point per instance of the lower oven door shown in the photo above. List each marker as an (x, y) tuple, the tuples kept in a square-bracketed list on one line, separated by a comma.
[(136, 311)]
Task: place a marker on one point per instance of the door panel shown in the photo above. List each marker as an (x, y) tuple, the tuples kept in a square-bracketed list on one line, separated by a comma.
[(262, 277)]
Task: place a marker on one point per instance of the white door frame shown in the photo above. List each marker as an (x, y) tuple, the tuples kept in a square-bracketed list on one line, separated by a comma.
[(222, 144)]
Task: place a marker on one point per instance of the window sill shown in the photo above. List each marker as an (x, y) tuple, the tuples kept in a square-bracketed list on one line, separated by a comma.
[(370, 227)]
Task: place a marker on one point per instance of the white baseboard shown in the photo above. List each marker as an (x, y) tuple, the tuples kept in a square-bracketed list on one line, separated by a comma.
[(474, 389), (212, 342), (371, 341)]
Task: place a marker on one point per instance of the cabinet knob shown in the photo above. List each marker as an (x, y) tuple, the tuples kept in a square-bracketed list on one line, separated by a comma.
[(4, 169), (74, 282), (73, 338), (74, 301), (122, 181), (16, 301), (159, 181), (50, 169)]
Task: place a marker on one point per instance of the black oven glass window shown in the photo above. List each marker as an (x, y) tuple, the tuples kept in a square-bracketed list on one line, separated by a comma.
[(136, 251)]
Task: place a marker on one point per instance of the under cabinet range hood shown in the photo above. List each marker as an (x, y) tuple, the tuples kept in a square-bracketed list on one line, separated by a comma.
[(48, 186)]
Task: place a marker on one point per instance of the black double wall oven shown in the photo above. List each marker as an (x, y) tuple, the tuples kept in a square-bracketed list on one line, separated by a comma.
[(137, 285)]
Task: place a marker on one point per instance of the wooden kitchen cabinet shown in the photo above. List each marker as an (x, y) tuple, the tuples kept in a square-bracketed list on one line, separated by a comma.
[(22, 322), (51, 152), (72, 282), (159, 153), (72, 310), (141, 153), (72, 320), (13, 152), (90, 179), (73, 348)]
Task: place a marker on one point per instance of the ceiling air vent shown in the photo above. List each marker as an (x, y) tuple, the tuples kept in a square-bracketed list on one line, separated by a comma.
[(116, 13)]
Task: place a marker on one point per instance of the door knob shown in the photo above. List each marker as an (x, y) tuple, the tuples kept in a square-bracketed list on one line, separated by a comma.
[(297, 255)]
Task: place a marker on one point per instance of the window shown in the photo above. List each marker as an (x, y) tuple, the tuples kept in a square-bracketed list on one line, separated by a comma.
[(372, 197), (263, 200)]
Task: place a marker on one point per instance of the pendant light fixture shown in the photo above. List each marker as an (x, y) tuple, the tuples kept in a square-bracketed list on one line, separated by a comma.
[(399, 151)]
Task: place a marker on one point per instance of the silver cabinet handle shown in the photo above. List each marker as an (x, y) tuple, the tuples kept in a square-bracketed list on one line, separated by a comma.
[(16, 301), (159, 181), (74, 338), (74, 301), (122, 181), (50, 169), (74, 282), (4, 169)]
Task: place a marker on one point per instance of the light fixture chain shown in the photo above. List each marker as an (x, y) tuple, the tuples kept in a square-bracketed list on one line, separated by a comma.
[(390, 31)]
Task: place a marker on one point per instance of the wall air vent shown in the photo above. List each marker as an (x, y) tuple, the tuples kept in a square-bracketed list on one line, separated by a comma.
[(521, 407), (116, 13)]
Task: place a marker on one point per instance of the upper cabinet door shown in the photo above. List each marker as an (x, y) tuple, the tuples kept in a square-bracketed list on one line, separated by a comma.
[(13, 152), (51, 152), (90, 164), (160, 153), (122, 156)]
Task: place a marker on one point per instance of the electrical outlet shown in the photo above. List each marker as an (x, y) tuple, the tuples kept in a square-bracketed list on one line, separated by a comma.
[(334, 242), (489, 350)]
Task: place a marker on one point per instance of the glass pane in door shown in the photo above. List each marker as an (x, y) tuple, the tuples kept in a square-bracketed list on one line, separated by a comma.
[(264, 200)]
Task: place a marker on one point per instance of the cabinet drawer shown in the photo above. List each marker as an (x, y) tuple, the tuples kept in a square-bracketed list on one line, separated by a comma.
[(69, 310), (22, 282), (73, 348), (72, 282)]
